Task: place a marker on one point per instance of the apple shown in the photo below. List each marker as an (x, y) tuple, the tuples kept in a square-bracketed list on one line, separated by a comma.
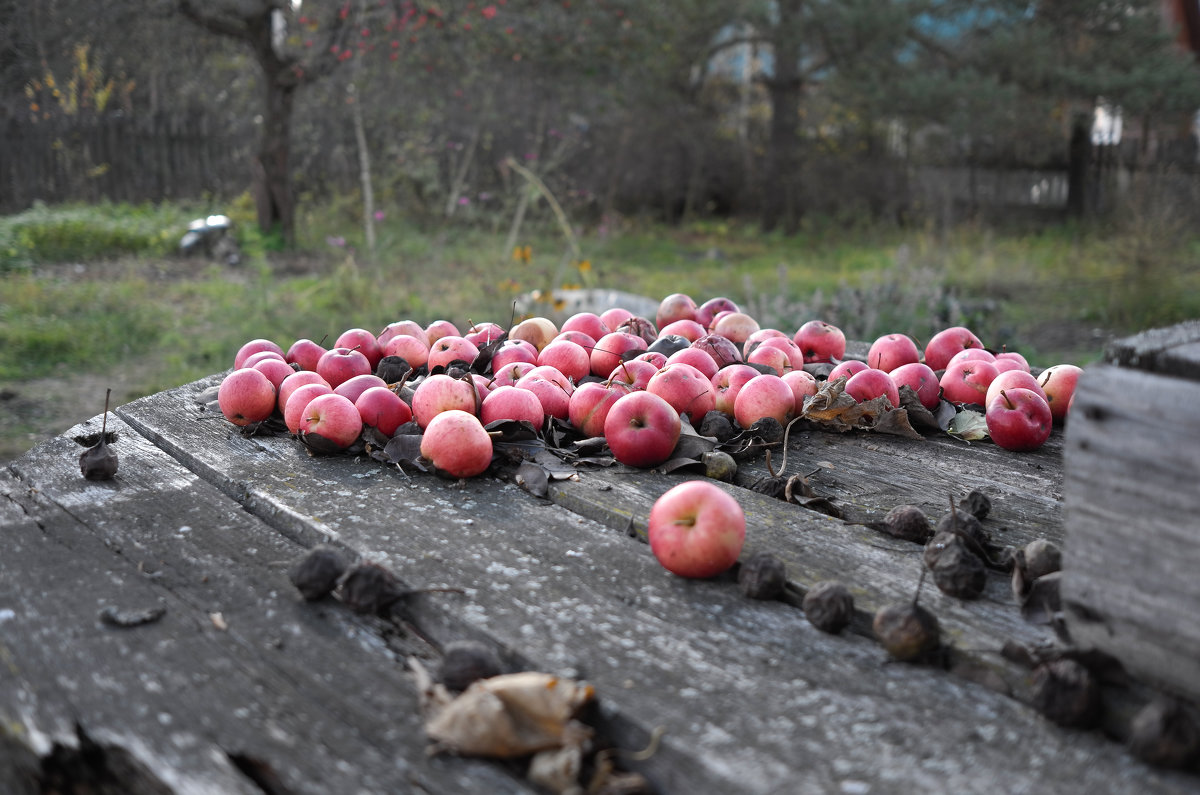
[(1008, 363), (585, 341), (892, 350), (1018, 419), (723, 350), (690, 330), (589, 405), (252, 347), (947, 342), (382, 409), (707, 312), (642, 429), (696, 529), (305, 353), (298, 400), (976, 354), (276, 370), (330, 423), (872, 383), (439, 393), (727, 383), (1012, 356), (698, 358), (615, 316), (457, 444), (537, 330), (511, 403), (765, 396), (685, 388), (441, 328), (353, 387), (511, 351), (735, 326), (409, 348), (770, 356), (610, 351), (510, 374), (967, 381), (569, 358), (1012, 379), (921, 378), (640, 327), (635, 374), (553, 390), (802, 384), (451, 349), (364, 341), (754, 339), (246, 396), (676, 306), (587, 322), (342, 364), (820, 341), (261, 356), (848, 367), (294, 381), (481, 334), (408, 328), (656, 358), (1059, 382), (785, 344)]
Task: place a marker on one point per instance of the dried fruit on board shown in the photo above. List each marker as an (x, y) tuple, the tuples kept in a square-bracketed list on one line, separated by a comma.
[(99, 462)]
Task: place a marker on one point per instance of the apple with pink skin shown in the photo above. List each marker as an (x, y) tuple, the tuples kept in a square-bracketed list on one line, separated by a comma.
[(510, 374), (585, 341), (293, 382), (457, 444), (439, 393), (554, 393), (246, 396), (634, 374), (305, 353), (728, 382), (615, 316), (441, 328), (511, 403), (569, 358), (252, 347), (298, 400), (451, 349), (382, 409), (892, 350), (483, 385), (759, 336), (676, 306), (1003, 365), (707, 312), (409, 348), (262, 356), (656, 358), (276, 370), (353, 387), (364, 341), (972, 354), (1018, 419), (723, 350), (610, 350), (511, 351), (685, 388), (872, 383), (803, 384), (1006, 356), (696, 357), (696, 529), (785, 344), (820, 341), (848, 367), (586, 322), (342, 364), (590, 403), (735, 326), (329, 424), (409, 328), (772, 357), (921, 378), (947, 342), (1058, 383), (967, 381), (690, 330), (642, 429), (1012, 379), (765, 396), (481, 334)]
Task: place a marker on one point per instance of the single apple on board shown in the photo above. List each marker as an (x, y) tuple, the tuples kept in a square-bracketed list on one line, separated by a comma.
[(363, 341), (676, 306), (298, 400), (537, 330), (803, 384), (847, 367), (611, 349), (511, 403), (305, 353), (441, 328), (891, 351), (590, 403), (569, 358), (820, 341), (728, 382), (1059, 382), (687, 389), (696, 357), (451, 349), (246, 396), (871, 383), (457, 444), (1018, 419), (947, 342), (342, 364), (690, 330), (1012, 379), (587, 322), (642, 429), (735, 326), (382, 409), (409, 348), (252, 347), (330, 423), (439, 393), (765, 396), (921, 378), (967, 381), (696, 529), (707, 311), (635, 373), (293, 382)]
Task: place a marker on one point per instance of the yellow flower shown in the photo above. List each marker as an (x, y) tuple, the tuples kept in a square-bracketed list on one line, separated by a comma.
[(585, 266), (522, 253)]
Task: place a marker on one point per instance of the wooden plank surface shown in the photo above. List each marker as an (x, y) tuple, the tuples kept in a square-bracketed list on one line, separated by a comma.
[(1131, 567), (1173, 350), (753, 698)]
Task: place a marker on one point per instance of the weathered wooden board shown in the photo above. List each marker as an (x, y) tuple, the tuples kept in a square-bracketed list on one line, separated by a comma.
[(1173, 351), (1131, 566), (752, 697), (309, 697)]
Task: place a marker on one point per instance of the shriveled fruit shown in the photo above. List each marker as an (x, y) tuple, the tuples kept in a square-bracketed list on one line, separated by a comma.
[(908, 631), (317, 573), (762, 576), (829, 606), (1067, 693)]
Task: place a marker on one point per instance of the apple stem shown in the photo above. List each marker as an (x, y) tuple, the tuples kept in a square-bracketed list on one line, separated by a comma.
[(104, 419), (1007, 401)]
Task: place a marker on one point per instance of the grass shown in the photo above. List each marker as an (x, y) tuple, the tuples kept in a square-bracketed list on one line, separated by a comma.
[(1055, 295)]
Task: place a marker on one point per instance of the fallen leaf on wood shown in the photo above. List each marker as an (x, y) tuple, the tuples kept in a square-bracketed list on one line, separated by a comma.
[(968, 425)]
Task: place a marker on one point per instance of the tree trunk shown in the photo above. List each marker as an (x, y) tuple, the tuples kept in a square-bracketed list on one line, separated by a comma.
[(273, 196), (1079, 161), (781, 182)]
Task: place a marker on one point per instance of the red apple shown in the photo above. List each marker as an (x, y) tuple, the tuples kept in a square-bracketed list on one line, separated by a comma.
[(554, 391), (870, 384), (329, 423), (382, 409), (1012, 356), (696, 357), (1059, 382), (587, 322), (408, 328), (585, 341), (590, 403), (305, 353), (510, 374), (727, 383), (656, 358), (947, 342), (252, 347), (848, 367), (246, 396), (483, 385), (409, 348), (785, 344), (353, 387), (685, 388), (759, 336), (975, 354), (511, 351), (1018, 419), (802, 384), (708, 311), (770, 356), (696, 529), (921, 378), (690, 330), (735, 326), (451, 349), (364, 341), (457, 444), (481, 334), (765, 396), (1012, 379), (342, 364), (892, 350), (635, 374), (510, 403), (569, 358), (294, 381), (610, 350), (439, 393), (262, 356), (297, 402), (441, 328), (642, 429), (967, 381), (276, 370), (820, 341), (615, 316), (676, 306)]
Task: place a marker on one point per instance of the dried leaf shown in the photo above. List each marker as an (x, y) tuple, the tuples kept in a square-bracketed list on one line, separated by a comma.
[(968, 425), (1042, 604), (533, 478), (676, 464)]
